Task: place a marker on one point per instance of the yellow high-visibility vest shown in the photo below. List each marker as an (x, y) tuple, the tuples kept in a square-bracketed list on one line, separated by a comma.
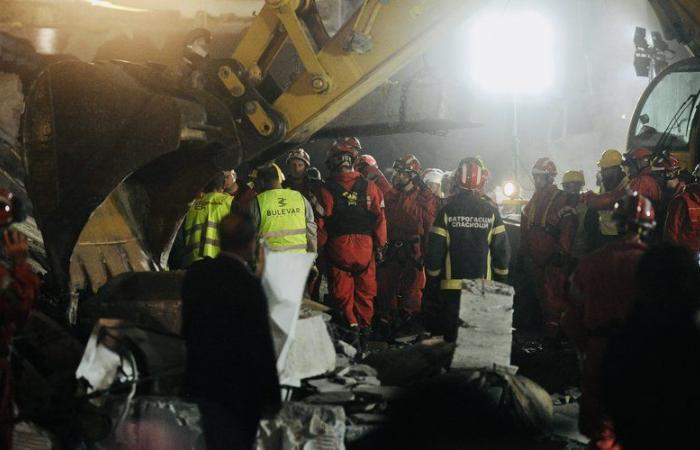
[(283, 220), (201, 235)]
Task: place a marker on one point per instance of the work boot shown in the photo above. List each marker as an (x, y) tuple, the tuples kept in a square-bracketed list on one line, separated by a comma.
[(363, 340)]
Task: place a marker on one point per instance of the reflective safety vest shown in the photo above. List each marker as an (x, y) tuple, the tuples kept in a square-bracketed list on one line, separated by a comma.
[(283, 220), (201, 235)]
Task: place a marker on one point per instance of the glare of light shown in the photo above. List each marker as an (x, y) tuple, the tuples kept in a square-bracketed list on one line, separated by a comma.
[(510, 189), (46, 40), (110, 5), (512, 53)]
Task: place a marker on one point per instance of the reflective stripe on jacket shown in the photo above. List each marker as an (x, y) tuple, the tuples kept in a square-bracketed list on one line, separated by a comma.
[(283, 220), (201, 235)]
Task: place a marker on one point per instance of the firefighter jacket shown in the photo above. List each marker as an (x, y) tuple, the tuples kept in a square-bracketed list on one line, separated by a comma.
[(353, 223), (683, 219), (548, 226), (409, 213), (467, 241), (201, 221), (311, 190), (285, 221)]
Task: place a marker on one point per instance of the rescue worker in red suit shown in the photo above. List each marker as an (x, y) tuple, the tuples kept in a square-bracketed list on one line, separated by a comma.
[(638, 164), (683, 217), (666, 169), (410, 209), (19, 291), (600, 296), (352, 229), (548, 229)]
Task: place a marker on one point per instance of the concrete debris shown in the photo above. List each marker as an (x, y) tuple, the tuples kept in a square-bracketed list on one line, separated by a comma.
[(311, 352), (346, 349), (407, 365), (301, 426), (27, 436), (487, 308), (11, 106)]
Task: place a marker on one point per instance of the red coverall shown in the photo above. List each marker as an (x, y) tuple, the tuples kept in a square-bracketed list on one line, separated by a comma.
[(409, 216), (601, 294), (16, 301), (350, 257), (547, 231), (643, 183), (683, 219)]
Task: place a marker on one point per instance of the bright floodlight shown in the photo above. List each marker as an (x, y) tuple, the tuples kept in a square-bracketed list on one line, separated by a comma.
[(512, 53), (510, 189)]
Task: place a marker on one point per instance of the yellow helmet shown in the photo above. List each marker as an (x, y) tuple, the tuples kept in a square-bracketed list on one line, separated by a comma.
[(610, 158), (573, 176)]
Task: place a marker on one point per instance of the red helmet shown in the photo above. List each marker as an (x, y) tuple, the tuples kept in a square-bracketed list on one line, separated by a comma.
[(666, 166), (348, 143), (299, 154), (363, 161), (471, 174), (544, 166), (8, 207), (340, 156), (636, 154), (407, 163), (634, 210)]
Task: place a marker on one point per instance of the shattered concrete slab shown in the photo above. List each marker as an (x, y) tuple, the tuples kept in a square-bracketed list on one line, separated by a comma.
[(486, 307), (301, 426), (311, 352)]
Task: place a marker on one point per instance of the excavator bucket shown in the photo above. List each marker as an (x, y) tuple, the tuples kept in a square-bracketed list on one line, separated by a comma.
[(114, 153)]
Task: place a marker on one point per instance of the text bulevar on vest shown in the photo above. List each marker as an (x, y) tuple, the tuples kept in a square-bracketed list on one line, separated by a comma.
[(283, 220)]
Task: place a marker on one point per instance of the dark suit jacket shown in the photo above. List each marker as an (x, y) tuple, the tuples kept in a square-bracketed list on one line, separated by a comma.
[(225, 323)]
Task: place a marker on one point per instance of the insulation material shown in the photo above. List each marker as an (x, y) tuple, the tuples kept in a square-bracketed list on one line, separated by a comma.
[(485, 334), (300, 426)]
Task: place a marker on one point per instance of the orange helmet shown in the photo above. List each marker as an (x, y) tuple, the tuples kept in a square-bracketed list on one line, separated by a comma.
[(364, 161), (471, 174), (666, 166), (407, 163), (544, 166), (634, 210)]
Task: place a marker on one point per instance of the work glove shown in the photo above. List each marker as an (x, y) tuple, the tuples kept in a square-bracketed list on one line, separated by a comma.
[(16, 246)]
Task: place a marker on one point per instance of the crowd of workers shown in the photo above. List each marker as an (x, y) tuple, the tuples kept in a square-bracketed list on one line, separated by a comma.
[(395, 251)]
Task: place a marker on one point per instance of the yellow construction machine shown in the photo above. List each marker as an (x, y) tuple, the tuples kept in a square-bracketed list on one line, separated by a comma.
[(115, 151)]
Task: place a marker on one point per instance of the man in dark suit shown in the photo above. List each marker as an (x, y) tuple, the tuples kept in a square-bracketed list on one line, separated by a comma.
[(230, 369)]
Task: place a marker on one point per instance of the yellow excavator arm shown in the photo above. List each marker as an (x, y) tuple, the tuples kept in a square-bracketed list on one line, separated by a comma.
[(129, 145)]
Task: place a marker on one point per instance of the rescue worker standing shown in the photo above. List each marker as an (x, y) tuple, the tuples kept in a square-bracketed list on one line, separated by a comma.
[(572, 183), (283, 217), (352, 228), (467, 241), (666, 169), (410, 210), (20, 288), (298, 163), (200, 233), (600, 297), (433, 179), (683, 217), (547, 233), (614, 179)]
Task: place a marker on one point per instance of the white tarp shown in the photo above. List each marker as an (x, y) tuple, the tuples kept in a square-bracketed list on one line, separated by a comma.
[(283, 280)]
